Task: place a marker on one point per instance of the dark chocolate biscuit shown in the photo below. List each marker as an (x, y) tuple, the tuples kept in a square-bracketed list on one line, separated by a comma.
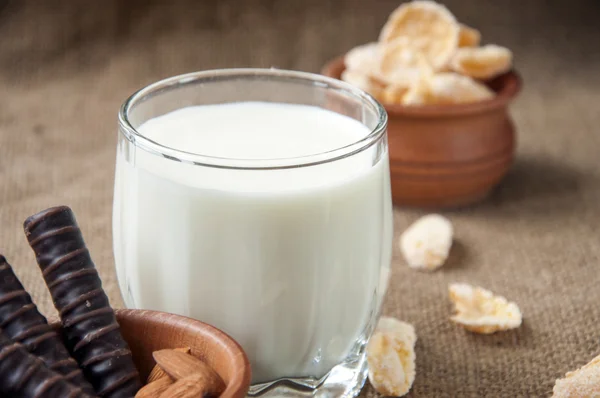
[(22, 322), (24, 375), (90, 328)]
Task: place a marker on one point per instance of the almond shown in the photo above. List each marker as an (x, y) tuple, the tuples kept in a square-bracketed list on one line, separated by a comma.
[(190, 387), (156, 388), (158, 373), (179, 365)]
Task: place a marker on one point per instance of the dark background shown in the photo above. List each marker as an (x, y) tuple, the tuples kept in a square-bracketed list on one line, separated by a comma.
[(71, 36)]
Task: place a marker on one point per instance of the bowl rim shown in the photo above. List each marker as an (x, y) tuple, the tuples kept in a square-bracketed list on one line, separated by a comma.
[(511, 85)]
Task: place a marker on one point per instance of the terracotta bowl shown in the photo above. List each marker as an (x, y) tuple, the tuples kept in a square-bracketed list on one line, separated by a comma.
[(448, 155), (148, 331)]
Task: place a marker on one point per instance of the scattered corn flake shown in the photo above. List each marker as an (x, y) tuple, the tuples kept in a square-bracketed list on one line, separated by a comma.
[(363, 58), (426, 243), (391, 359), (404, 330), (479, 310), (423, 27), (581, 383), (482, 62), (468, 37)]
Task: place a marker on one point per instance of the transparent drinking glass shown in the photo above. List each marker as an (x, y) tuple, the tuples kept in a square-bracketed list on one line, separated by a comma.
[(289, 256)]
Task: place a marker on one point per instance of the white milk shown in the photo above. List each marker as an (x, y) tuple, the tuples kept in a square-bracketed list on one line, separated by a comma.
[(291, 263)]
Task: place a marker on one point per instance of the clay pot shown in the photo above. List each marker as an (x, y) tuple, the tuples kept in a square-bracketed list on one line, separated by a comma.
[(448, 155), (149, 331)]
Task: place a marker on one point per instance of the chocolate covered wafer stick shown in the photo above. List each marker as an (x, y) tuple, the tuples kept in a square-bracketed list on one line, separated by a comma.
[(90, 328), (24, 375), (22, 322)]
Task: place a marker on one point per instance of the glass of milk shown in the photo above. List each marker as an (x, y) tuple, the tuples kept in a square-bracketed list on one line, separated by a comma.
[(258, 201)]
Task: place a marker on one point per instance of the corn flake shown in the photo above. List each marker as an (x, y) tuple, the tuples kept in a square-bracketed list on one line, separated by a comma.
[(423, 27), (445, 89), (405, 330), (451, 88), (479, 310), (482, 62), (418, 94), (581, 383), (400, 67), (393, 94), (391, 357), (363, 58), (468, 37), (363, 81), (426, 243)]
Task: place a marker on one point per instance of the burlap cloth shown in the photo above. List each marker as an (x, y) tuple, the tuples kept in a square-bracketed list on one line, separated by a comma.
[(66, 66)]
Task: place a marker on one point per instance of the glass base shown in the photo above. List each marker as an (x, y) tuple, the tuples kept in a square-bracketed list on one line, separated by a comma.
[(343, 381)]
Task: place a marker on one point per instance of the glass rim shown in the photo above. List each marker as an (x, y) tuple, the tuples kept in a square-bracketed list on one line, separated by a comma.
[(143, 142)]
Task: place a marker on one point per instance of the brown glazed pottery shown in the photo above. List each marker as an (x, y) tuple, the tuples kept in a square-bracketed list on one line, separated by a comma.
[(445, 156), (149, 331)]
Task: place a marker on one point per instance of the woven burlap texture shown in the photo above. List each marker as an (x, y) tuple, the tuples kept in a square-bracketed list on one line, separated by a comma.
[(66, 66)]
